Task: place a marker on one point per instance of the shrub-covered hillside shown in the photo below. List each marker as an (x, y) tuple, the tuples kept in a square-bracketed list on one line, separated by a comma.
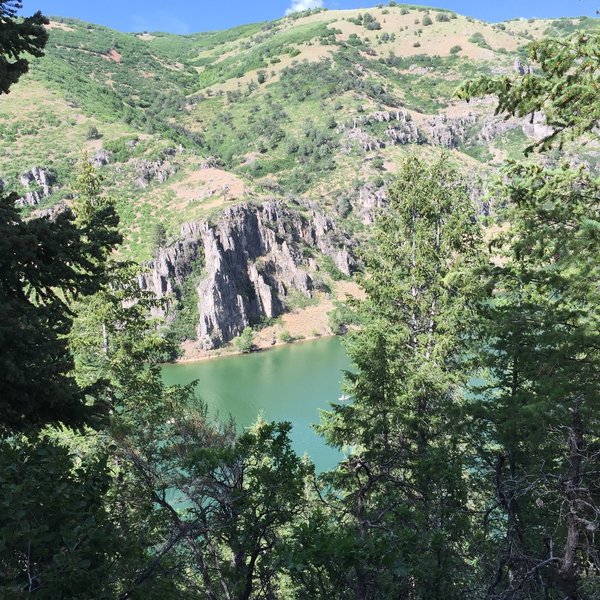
[(319, 104)]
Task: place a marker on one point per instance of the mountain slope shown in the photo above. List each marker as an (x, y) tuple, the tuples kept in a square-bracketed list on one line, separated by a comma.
[(315, 108)]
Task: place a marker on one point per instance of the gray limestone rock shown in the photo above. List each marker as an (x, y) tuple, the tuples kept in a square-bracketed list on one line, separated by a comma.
[(253, 257)]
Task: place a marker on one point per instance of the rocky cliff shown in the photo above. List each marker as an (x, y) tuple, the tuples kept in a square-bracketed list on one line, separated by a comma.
[(253, 258), (38, 181)]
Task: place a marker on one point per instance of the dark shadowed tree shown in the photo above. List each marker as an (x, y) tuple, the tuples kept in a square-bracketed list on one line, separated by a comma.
[(44, 265), (18, 39)]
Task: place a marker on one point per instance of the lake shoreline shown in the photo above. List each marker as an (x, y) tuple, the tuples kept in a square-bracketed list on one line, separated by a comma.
[(305, 324), (260, 349)]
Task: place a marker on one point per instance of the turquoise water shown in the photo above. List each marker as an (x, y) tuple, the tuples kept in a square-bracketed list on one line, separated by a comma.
[(291, 383)]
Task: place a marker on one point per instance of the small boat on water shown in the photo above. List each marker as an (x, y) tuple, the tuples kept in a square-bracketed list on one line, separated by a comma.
[(344, 398)]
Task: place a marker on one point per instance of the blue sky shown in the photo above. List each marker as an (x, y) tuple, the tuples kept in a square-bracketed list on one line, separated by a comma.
[(187, 16)]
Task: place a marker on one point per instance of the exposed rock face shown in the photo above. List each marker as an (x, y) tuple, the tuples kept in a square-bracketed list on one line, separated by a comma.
[(523, 69), (536, 128), (495, 126), (29, 199), (369, 201), (448, 132), (211, 162), (39, 178), (53, 212), (253, 257), (160, 169), (101, 158), (367, 142), (438, 130), (404, 133), (402, 130)]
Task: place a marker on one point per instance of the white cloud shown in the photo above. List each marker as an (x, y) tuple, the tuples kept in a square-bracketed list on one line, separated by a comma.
[(301, 5)]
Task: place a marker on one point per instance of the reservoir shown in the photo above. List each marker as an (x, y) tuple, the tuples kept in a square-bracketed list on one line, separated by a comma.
[(291, 383)]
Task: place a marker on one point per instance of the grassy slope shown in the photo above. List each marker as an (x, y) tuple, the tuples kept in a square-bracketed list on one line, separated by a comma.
[(266, 100)]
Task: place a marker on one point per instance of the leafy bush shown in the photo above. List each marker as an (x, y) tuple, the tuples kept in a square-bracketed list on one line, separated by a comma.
[(478, 39), (286, 337), (331, 269), (296, 300), (187, 316), (93, 133), (245, 342), (427, 20), (455, 49)]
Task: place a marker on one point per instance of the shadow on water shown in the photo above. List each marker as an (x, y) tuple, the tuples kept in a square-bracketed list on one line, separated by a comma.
[(290, 383)]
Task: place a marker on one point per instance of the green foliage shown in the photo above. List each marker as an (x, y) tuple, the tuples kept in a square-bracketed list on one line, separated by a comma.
[(93, 133), (22, 39), (122, 148), (245, 341), (479, 152), (159, 237), (538, 345), (257, 57), (296, 300), (286, 337), (186, 318), (331, 268), (402, 431), (565, 87), (55, 533), (44, 265), (478, 39)]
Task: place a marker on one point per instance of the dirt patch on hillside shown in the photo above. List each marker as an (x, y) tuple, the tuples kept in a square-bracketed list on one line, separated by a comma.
[(208, 183), (115, 56), (57, 25)]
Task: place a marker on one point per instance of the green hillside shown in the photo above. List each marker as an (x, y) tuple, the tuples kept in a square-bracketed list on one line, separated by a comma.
[(283, 108)]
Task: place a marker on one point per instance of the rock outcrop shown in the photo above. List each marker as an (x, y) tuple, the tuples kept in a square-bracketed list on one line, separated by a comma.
[(160, 169), (535, 127), (253, 257), (449, 132), (41, 180), (101, 158), (523, 69), (369, 201), (401, 130)]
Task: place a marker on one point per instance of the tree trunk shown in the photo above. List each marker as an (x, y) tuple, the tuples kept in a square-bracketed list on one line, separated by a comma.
[(569, 576)]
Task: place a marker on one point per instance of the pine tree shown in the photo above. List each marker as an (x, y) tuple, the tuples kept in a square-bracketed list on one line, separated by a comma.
[(564, 86), (402, 487), (537, 412), (45, 265), (20, 38)]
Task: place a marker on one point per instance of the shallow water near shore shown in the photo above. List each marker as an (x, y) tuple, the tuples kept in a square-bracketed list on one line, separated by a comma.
[(291, 383)]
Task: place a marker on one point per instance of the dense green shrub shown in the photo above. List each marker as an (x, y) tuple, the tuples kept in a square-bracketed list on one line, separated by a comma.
[(245, 342), (478, 39), (286, 337)]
